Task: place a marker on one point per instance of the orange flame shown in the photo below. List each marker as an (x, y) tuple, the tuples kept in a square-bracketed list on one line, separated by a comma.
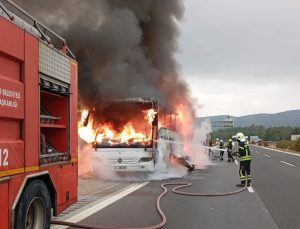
[(84, 115), (85, 132), (150, 115), (185, 124), (185, 120), (105, 132)]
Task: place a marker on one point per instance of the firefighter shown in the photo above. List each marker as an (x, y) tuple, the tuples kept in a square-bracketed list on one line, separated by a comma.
[(245, 161), (221, 146), (229, 151)]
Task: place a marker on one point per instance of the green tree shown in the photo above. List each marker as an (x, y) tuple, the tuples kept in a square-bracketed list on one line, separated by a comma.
[(267, 134)]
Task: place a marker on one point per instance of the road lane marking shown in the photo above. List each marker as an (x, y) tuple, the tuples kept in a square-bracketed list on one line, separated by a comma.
[(280, 151), (95, 207), (287, 163), (257, 152), (236, 162), (250, 189), (267, 155)]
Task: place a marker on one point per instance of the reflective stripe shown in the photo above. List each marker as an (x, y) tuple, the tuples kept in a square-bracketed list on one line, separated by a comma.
[(11, 172), (33, 168), (246, 158), (18, 170), (247, 150), (242, 175), (244, 152)]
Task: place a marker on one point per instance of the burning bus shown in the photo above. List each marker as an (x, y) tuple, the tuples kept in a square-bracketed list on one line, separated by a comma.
[(125, 134)]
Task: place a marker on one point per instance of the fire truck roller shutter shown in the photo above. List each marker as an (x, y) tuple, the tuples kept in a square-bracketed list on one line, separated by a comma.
[(34, 207)]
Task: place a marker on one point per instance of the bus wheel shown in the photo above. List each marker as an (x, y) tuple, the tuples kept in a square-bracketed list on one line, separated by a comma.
[(34, 208)]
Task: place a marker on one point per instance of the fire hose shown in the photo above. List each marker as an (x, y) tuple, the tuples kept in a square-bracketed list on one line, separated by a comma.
[(158, 206)]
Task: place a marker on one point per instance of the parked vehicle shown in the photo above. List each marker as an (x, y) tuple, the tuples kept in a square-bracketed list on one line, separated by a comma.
[(38, 122)]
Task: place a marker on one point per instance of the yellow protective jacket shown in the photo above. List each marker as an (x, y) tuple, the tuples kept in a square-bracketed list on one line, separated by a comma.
[(244, 151)]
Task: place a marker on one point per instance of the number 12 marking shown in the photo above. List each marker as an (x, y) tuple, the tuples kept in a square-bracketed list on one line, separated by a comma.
[(3, 157)]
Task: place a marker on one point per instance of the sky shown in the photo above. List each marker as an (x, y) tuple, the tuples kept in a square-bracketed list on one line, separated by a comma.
[(241, 57)]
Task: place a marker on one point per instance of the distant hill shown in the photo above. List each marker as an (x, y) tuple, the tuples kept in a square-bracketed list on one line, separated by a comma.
[(286, 118)]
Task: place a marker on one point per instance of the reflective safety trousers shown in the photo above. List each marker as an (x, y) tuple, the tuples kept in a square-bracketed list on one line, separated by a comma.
[(245, 171)]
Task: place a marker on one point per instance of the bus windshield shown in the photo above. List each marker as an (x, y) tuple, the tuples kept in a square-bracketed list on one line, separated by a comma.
[(123, 123)]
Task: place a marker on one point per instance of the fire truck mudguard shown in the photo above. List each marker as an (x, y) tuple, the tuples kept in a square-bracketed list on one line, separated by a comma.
[(34, 207), (46, 179)]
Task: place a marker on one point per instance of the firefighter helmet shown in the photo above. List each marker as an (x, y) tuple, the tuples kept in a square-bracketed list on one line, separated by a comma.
[(240, 136)]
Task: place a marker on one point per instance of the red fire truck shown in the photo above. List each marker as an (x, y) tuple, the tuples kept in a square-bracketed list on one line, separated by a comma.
[(38, 121)]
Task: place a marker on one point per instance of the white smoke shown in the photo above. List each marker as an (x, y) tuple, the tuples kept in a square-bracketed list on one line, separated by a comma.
[(85, 155), (198, 153), (103, 171), (165, 166)]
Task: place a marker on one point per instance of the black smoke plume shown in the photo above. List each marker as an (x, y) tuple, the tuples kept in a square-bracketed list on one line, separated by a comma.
[(125, 48)]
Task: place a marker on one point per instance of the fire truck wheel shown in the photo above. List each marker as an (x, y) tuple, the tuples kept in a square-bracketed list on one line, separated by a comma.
[(34, 208)]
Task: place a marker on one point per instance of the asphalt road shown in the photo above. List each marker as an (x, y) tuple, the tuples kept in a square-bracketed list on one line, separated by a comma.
[(138, 209), (273, 204), (276, 178)]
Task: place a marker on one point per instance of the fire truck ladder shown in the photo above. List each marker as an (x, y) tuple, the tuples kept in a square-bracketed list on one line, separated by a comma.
[(40, 27)]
